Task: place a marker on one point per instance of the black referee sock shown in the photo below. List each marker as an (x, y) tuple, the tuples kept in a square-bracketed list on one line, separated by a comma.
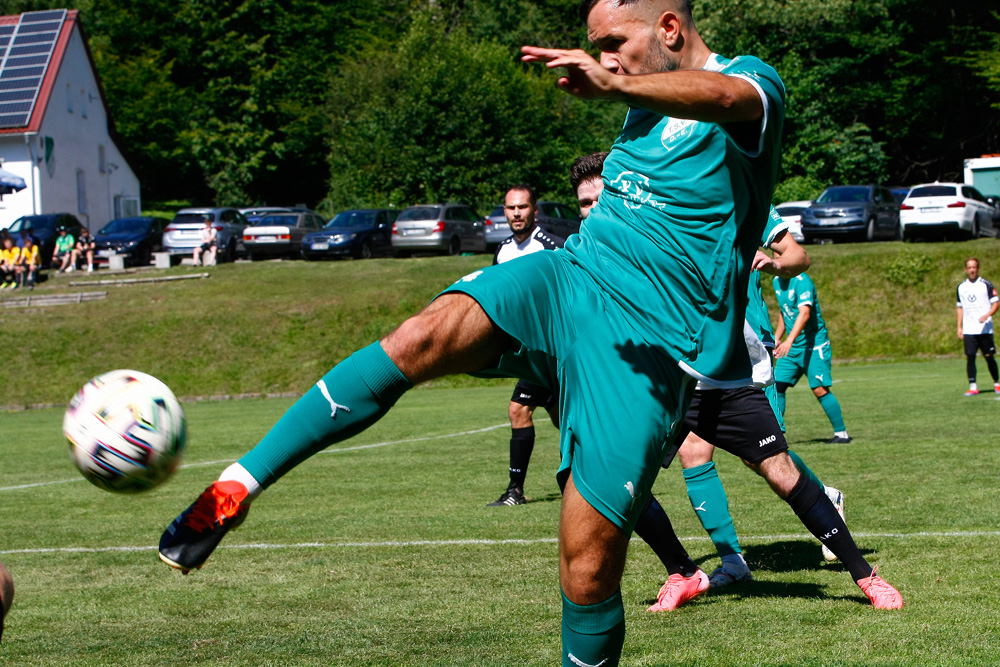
[(655, 528), (818, 514), (522, 442), (970, 367), (991, 363)]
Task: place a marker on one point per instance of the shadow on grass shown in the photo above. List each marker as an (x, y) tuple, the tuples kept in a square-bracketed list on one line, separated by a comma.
[(791, 556)]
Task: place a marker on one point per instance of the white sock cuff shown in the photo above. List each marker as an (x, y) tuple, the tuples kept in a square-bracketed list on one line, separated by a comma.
[(238, 473)]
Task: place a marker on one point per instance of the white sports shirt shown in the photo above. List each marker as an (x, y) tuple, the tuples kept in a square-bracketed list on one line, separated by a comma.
[(975, 299), (538, 240)]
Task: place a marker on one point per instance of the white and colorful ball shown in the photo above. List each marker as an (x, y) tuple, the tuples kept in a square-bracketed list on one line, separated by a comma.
[(126, 431)]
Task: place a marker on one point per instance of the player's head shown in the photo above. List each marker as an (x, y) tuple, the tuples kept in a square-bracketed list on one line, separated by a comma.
[(6, 594), (640, 36), (519, 207), (972, 268), (585, 177)]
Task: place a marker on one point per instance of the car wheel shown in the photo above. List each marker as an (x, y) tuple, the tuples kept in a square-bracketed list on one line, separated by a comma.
[(144, 257), (898, 235), (367, 252), (252, 257), (975, 229), (174, 260), (230, 254), (870, 232), (454, 246)]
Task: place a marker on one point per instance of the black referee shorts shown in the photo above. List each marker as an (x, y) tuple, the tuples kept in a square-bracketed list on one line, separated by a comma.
[(532, 395), (982, 342), (740, 421)]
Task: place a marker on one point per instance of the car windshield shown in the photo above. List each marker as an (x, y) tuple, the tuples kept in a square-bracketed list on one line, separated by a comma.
[(38, 224), (352, 219), (419, 213), (789, 210), (126, 226), (192, 218), (495, 212), (277, 220), (933, 191), (844, 193)]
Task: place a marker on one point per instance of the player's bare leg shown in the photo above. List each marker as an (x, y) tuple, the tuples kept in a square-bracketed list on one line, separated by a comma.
[(451, 335), (591, 561)]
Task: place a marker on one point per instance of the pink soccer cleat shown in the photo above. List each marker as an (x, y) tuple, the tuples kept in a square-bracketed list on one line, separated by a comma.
[(880, 592), (679, 589)]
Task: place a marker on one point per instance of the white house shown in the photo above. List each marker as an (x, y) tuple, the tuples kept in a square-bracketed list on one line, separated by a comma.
[(55, 131)]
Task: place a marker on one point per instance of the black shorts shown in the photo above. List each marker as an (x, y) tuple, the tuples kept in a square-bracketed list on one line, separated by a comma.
[(205, 247), (983, 342), (532, 395), (740, 421)]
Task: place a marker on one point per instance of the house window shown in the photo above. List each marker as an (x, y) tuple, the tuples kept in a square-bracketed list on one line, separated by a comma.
[(101, 163), (69, 97), (81, 191), (83, 103)]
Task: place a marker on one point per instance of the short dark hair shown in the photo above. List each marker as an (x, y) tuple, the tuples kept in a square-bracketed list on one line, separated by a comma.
[(585, 168), (526, 188), (684, 6), (972, 259)]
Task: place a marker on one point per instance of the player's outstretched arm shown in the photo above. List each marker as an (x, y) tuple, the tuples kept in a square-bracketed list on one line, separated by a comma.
[(693, 94), (790, 259)]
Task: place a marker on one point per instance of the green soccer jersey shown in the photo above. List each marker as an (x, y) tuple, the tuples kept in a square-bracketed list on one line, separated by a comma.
[(64, 243), (792, 293), (757, 316), (681, 216)]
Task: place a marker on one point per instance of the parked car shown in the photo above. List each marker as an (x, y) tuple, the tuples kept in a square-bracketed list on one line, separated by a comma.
[(441, 228), (899, 192), (497, 229), (557, 219), (865, 212), (183, 234), (791, 213), (280, 234), (947, 209), (136, 238), (361, 234), (254, 214), (44, 229)]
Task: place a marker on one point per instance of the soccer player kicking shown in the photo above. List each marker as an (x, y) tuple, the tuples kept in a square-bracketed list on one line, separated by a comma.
[(746, 423), (806, 349), (977, 303), (519, 206), (645, 299)]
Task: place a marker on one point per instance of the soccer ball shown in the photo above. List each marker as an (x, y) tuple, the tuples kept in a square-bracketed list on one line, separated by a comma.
[(126, 431)]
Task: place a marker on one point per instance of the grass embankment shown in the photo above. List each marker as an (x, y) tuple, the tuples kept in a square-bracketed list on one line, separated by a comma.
[(272, 327)]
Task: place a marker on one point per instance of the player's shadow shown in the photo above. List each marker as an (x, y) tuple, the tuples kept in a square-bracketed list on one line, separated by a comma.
[(791, 556), (547, 498)]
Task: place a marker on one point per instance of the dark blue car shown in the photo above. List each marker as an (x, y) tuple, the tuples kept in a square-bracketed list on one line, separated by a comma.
[(136, 238), (361, 234)]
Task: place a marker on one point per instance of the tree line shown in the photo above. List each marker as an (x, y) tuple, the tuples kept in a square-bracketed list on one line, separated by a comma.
[(392, 102)]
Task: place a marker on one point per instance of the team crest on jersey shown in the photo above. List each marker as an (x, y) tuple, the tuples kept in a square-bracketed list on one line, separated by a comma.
[(676, 130), (635, 190)]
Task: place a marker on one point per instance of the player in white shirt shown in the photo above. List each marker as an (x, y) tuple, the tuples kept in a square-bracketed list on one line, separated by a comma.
[(977, 302), (519, 206)]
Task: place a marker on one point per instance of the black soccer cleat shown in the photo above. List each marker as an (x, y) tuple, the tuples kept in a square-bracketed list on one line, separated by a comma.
[(512, 496), (192, 537), (839, 440)]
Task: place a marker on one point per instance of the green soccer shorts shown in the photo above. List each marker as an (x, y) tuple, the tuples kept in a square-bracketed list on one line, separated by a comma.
[(812, 360), (621, 398)]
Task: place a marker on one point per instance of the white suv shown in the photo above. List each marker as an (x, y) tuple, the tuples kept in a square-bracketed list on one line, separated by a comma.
[(946, 208)]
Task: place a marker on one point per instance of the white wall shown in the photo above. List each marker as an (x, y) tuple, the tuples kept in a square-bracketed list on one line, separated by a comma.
[(72, 178)]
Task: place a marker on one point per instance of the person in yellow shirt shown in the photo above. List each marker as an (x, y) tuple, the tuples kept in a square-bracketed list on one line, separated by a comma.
[(28, 264), (8, 263)]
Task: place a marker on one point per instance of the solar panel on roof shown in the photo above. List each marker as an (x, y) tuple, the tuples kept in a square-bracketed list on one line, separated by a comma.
[(25, 52)]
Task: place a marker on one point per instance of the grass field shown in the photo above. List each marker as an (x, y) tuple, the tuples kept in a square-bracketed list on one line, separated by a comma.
[(380, 550)]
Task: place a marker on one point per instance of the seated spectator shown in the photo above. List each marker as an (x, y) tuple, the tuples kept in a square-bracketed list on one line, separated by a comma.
[(28, 263), (84, 248), (8, 263), (25, 235), (209, 238), (63, 253)]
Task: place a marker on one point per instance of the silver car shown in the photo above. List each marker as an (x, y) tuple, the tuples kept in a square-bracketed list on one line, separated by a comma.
[(439, 228), (183, 234), (278, 234)]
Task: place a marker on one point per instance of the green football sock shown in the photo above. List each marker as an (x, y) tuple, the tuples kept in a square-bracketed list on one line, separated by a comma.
[(710, 503), (806, 470), (831, 406), (350, 398), (593, 634), (780, 400)]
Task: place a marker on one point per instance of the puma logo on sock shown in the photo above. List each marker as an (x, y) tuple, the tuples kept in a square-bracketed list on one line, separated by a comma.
[(333, 404)]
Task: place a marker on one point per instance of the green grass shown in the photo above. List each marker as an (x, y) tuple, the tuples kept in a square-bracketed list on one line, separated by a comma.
[(274, 327), (387, 555)]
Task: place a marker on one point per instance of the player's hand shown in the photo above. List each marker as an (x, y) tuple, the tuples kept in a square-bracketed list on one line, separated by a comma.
[(982, 320), (763, 262), (781, 349), (960, 336), (585, 77)]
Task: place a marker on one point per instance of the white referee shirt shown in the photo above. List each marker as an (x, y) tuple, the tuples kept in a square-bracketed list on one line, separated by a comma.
[(975, 299), (538, 240)]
